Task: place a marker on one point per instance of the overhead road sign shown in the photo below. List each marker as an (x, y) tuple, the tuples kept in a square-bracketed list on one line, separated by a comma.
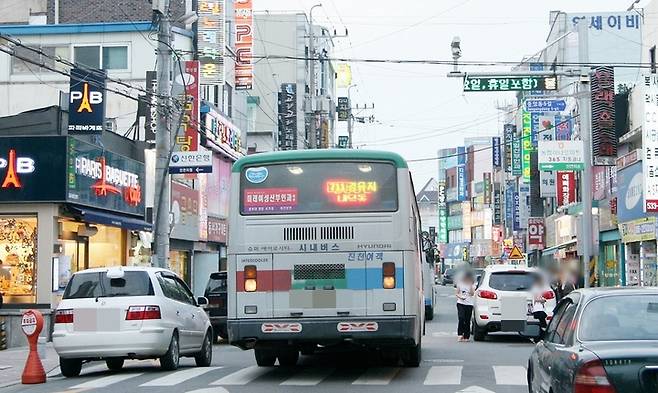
[(510, 83), (190, 162), (539, 106)]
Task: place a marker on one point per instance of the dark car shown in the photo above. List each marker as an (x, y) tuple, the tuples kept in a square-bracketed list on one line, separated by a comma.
[(449, 276), (217, 298), (602, 340)]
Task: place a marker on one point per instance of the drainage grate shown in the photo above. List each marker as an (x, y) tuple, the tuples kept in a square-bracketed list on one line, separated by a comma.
[(319, 272)]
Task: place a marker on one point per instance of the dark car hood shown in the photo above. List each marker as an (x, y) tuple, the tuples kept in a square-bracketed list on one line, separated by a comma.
[(629, 364)]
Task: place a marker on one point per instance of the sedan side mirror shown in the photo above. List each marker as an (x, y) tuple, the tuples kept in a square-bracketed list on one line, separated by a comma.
[(202, 301)]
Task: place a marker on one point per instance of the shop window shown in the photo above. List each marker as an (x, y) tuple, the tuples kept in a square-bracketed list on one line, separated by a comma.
[(105, 57), (48, 57), (107, 247), (179, 263), (18, 255)]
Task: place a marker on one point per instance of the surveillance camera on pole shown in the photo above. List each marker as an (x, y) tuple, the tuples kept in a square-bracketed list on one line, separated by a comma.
[(456, 49)]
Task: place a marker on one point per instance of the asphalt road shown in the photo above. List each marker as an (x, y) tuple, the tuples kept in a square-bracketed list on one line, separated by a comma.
[(497, 365)]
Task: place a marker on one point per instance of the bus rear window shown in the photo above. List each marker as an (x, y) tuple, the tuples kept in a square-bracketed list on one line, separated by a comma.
[(318, 187)]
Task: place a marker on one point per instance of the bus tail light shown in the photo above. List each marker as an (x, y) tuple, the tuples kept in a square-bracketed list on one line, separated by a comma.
[(388, 272), (250, 278)]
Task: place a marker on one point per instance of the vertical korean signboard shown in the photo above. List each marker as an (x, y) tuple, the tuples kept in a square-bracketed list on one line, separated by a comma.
[(86, 101), (187, 90), (566, 188), (650, 142), (604, 140), (244, 69), (288, 117), (496, 154), (461, 183), (443, 213), (509, 130), (497, 205), (517, 159), (211, 41), (536, 231), (487, 188), (526, 145)]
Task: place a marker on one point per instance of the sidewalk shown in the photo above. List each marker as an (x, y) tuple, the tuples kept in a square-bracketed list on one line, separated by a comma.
[(12, 362)]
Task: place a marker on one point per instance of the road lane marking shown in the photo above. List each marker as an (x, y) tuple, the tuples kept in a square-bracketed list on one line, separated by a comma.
[(308, 377), (243, 376), (377, 376), (105, 381), (444, 375), (510, 375), (180, 376), (209, 390)]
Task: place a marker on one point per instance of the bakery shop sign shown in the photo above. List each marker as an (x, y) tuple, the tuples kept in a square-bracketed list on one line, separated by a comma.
[(104, 179)]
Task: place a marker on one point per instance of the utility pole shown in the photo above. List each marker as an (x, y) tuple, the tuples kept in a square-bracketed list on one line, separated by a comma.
[(162, 137), (350, 120), (311, 50), (585, 113)]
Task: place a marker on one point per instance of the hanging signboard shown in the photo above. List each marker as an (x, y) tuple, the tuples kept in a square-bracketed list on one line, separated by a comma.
[(244, 68), (561, 155), (495, 154), (487, 188), (507, 83), (650, 143), (497, 205), (517, 159), (526, 145), (566, 188), (604, 139), (343, 109), (86, 101), (536, 231), (537, 106), (186, 88), (443, 213), (509, 131), (151, 121), (461, 183), (221, 134), (211, 42), (288, 117)]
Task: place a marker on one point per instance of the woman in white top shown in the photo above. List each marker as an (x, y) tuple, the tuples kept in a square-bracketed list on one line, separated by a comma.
[(465, 289)]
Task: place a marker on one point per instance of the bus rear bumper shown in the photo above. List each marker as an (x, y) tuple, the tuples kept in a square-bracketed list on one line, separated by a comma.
[(380, 331)]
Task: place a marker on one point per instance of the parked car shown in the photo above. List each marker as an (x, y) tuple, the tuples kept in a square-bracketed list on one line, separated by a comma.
[(449, 276), (503, 301), (119, 313), (217, 306), (602, 340)]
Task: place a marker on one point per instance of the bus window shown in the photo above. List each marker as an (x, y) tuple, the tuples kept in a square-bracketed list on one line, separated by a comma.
[(318, 187)]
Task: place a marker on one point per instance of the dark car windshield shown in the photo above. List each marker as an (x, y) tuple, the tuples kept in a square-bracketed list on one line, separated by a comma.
[(216, 283), (97, 284), (616, 318), (512, 281)]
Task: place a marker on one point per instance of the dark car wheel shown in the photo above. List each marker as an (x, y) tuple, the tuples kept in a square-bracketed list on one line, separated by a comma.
[(429, 313), (204, 357), (70, 367), (479, 334), (114, 364), (170, 360), (264, 357), (288, 358), (412, 356)]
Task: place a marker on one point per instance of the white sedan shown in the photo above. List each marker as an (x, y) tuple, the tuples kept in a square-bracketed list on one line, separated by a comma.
[(119, 313)]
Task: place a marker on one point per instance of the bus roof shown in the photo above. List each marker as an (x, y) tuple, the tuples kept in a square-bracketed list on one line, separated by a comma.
[(318, 155)]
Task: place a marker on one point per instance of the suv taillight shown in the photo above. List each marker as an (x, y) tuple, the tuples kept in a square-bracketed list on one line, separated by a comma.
[(548, 295), (64, 316), (388, 273), (484, 294), (138, 313), (592, 378), (250, 283)]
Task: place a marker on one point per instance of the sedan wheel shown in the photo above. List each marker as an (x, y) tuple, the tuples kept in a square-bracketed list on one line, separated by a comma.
[(114, 364), (70, 367), (169, 361), (204, 358)]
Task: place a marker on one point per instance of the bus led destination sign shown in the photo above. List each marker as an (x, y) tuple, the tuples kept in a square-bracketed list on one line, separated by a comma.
[(507, 83)]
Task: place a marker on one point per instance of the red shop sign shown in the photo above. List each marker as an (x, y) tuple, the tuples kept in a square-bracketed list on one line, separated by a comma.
[(566, 188)]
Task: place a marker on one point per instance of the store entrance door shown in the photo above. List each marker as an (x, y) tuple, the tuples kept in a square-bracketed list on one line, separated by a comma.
[(77, 250)]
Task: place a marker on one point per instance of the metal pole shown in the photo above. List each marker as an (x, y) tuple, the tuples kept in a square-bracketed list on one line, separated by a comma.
[(311, 51), (163, 143), (350, 124), (584, 108)]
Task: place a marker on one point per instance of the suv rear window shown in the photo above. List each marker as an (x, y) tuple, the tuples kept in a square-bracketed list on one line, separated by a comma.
[(97, 284), (216, 283), (512, 281)]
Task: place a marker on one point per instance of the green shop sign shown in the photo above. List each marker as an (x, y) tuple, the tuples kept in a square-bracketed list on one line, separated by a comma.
[(507, 83)]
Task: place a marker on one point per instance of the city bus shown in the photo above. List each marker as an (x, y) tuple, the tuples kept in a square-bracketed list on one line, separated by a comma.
[(324, 249)]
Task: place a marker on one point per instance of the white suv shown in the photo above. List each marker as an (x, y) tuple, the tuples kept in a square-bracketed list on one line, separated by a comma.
[(503, 301), (119, 313)]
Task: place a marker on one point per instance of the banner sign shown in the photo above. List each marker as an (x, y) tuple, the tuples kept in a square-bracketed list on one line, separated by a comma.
[(604, 139), (517, 160), (99, 178), (538, 106), (496, 155), (524, 205), (461, 155), (86, 101), (461, 183), (343, 141), (507, 83), (443, 213), (151, 121), (509, 205), (217, 229), (225, 137), (185, 212), (509, 131), (32, 169), (187, 91), (536, 229), (516, 211), (526, 145), (650, 143), (561, 155), (343, 109), (211, 42), (487, 188), (288, 117), (566, 188), (497, 205), (244, 69), (630, 183), (563, 126)]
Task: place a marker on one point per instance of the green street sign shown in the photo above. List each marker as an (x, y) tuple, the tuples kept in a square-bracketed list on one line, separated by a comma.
[(507, 83), (562, 166)]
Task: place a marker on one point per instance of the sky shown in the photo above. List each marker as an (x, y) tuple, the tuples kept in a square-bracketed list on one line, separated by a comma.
[(418, 109)]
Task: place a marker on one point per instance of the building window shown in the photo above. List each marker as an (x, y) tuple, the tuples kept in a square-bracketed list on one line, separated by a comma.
[(18, 255), (228, 100), (102, 57), (652, 59), (48, 58)]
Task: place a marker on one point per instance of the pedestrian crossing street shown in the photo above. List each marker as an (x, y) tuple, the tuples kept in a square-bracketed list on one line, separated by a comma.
[(193, 378)]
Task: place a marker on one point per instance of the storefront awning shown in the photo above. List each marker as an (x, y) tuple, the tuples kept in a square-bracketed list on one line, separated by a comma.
[(96, 216), (553, 250)]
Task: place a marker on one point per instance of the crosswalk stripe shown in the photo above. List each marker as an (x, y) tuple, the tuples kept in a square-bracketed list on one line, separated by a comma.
[(243, 376), (444, 375), (510, 375), (105, 381), (308, 377), (180, 376), (377, 376)]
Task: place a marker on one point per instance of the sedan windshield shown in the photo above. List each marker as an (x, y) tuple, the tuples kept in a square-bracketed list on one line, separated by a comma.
[(97, 284), (512, 281), (632, 317)]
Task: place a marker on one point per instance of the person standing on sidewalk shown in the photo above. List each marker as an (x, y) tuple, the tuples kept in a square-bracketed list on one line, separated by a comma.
[(465, 289)]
